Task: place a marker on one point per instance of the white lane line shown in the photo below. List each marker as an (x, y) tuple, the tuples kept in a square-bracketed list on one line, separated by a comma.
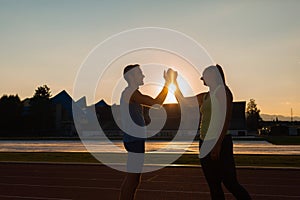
[(226, 193), (151, 178), (61, 178), (246, 184), (58, 186), (274, 195), (147, 180), (42, 198), (265, 185), (200, 183), (147, 190)]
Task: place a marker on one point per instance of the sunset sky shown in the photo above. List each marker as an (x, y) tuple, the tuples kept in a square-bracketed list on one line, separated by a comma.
[(256, 42)]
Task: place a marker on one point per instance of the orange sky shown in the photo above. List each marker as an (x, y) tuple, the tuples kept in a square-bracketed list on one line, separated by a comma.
[(256, 42)]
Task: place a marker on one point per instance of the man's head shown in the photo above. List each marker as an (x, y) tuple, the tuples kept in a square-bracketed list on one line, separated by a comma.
[(133, 75)]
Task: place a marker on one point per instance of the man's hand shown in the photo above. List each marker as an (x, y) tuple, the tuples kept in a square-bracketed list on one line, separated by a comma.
[(167, 78), (172, 75)]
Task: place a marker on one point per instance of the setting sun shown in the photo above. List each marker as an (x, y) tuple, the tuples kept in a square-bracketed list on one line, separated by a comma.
[(172, 87), (171, 97)]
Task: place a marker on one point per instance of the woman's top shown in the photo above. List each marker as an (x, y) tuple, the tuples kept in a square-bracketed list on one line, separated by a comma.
[(210, 99)]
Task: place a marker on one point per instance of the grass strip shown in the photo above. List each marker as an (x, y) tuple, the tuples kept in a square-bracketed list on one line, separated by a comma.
[(189, 159), (251, 160), (48, 157), (283, 140)]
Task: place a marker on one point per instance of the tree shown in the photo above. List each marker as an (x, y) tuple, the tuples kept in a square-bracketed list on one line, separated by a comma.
[(10, 114), (41, 110), (253, 117), (42, 92)]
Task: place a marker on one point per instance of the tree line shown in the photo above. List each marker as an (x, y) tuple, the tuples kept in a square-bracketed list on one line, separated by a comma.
[(33, 119), (35, 116)]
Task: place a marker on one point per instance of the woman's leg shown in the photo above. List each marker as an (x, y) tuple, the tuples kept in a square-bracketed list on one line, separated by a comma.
[(229, 171), (211, 170)]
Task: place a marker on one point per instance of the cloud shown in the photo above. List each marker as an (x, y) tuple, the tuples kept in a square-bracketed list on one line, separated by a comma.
[(285, 103)]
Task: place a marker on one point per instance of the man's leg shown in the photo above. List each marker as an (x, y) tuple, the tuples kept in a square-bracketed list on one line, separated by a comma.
[(135, 162), (129, 186)]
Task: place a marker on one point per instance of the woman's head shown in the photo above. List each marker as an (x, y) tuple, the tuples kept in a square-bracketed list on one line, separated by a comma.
[(213, 76)]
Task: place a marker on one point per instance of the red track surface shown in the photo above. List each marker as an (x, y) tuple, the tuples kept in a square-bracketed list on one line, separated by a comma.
[(79, 181)]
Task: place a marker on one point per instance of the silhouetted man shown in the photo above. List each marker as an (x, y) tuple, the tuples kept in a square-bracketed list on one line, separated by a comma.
[(133, 125)]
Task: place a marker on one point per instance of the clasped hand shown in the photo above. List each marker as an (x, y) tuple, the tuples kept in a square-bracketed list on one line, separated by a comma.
[(170, 76)]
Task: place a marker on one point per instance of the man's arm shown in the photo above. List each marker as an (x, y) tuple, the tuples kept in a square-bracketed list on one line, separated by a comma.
[(146, 100)]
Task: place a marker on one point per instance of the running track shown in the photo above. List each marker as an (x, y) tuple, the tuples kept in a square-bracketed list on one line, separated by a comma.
[(22, 181)]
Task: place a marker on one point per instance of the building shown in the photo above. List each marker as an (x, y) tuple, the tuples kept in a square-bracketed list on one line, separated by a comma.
[(110, 121), (62, 104), (238, 125)]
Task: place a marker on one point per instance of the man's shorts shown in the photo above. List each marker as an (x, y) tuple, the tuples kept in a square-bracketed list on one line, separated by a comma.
[(135, 146)]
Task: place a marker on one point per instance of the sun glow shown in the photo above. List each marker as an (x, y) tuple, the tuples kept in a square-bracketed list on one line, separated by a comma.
[(171, 97), (172, 87)]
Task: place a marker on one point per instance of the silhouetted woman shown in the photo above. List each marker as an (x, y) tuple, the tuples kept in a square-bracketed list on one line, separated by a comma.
[(218, 165)]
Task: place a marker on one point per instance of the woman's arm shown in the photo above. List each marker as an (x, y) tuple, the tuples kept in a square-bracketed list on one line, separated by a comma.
[(215, 153), (188, 101)]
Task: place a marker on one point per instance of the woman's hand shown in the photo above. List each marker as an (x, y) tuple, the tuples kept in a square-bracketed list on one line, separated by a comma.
[(170, 76), (215, 152)]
